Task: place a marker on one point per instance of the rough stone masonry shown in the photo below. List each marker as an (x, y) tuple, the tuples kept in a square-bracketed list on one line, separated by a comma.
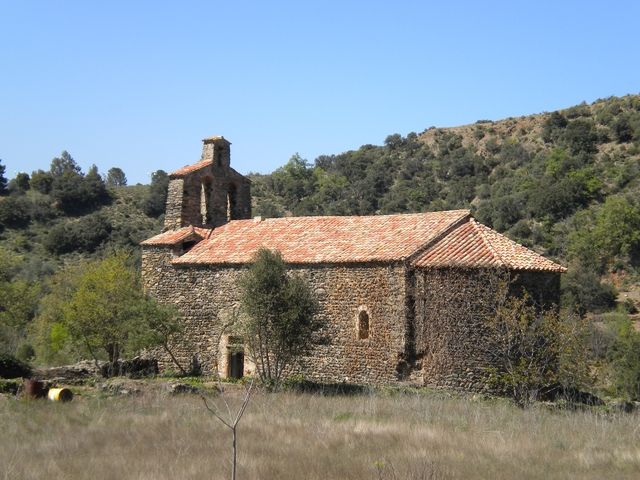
[(397, 292)]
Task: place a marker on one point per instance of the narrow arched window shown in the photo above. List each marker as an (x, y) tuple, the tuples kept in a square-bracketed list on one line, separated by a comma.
[(363, 325), (205, 202), (231, 203)]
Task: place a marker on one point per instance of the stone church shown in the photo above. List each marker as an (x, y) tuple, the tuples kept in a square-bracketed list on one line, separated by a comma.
[(401, 295)]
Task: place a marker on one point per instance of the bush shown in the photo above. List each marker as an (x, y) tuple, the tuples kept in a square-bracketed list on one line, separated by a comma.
[(624, 356), (75, 193), (25, 352), (41, 181), (583, 292), (11, 367), (83, 235), (15, 212), (580, 136), (156, 200)]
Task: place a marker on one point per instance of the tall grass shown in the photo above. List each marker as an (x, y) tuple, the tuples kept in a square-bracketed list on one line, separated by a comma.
[(303, 436)]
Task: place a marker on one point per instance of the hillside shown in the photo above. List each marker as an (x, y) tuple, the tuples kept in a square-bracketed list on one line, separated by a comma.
[(564, 183)]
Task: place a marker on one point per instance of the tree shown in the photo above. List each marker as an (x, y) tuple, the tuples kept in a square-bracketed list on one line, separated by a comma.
[(75, 193), (534, 349), (64, 164), (624, 358), (622, 130), (15, 211), (230, 420), (41, 181), (20, 184), (116, 177), (85, 234), (279, 323), (3, 179), (156, 200), (18, 301), (108, 313)]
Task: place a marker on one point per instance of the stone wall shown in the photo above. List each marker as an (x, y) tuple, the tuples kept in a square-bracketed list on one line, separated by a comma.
[(207, 297), (210, 197), (173, 213), (452, 342)]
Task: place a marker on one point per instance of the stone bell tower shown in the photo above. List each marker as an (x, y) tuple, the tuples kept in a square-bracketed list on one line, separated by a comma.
[(208, 193)]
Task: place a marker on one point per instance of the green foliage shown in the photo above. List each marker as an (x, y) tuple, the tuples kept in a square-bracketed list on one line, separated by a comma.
[(553, 126), (25, 352), (11, 367), (622, 130), (75, 193), (49, 333), (41, 181), (534, 349), (64, 164), (3, 179), (18, 301), (116, 177), (156, 200), (20, 184), (624, 357), (612, 233), (582, 291), (15, 212), (107, 312), (580, 136), (83, 235), (279, 323)]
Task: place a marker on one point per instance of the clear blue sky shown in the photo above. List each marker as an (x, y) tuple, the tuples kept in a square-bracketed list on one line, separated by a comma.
[(138, 84)]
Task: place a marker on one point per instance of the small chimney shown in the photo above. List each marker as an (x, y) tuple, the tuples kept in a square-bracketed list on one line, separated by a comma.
[(217, 149), (257, 219)]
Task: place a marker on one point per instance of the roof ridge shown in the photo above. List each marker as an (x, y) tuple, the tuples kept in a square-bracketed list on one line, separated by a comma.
[(483, 238), (467, 213), (450, 228)]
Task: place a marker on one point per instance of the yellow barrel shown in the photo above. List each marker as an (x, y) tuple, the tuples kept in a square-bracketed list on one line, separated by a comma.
[(60, 394)]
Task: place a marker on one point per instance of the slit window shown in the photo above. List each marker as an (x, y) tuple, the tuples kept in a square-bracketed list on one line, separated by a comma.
[(205, 202), (231, 203), (363, 325)]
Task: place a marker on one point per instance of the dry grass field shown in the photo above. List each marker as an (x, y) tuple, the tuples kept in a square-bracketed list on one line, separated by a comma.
[(304, 436)]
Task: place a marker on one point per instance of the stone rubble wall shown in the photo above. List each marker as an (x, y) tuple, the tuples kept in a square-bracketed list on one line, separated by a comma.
[(184, 197), (452, 341), (207, 297), (173, 214)]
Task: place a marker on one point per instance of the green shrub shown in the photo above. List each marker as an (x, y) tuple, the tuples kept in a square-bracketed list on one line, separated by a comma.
[(11, 367), (25, 352), (583, 291), (624, 357), (15, 211), (83, 235)]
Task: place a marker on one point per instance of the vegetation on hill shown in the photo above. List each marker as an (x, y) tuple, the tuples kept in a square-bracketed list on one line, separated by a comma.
[(565, 183)]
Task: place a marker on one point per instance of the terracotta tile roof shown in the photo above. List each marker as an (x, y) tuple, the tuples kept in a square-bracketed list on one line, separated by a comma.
[(181, 172), (173, 237), (324, 239), (473, 245)]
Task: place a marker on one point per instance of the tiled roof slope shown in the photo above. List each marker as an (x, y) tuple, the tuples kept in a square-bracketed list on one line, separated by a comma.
[(172, 237), (324, 239), (473, 245), (181, 172)]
